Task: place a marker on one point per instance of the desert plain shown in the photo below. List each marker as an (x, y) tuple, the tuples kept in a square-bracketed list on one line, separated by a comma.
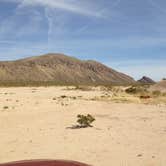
[(36, 123)]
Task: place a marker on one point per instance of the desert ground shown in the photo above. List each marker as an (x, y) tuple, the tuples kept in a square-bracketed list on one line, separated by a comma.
[(36, 123)]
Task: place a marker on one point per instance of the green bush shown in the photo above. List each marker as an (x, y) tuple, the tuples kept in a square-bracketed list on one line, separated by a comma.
[(85, 120)]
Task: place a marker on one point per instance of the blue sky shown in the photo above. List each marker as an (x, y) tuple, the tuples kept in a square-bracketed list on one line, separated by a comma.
[(127, 35)]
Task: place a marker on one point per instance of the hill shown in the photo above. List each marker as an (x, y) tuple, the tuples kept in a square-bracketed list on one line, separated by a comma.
[(60, 69), (146, 80)]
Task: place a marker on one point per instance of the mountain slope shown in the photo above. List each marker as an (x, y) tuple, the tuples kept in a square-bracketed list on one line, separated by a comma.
[(60, 69)]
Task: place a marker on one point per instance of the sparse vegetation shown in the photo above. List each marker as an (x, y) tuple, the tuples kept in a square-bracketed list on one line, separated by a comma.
[(131, 90), (156, 93), (74, 98), (164, 94), (31, 83), (63, 96), (85, 120), (145, 97), (83, 88), (107, 88), (136, 90), (5, 107)]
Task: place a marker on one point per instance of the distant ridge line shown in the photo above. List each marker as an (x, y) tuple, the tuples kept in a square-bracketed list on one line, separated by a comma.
[(59, 69)]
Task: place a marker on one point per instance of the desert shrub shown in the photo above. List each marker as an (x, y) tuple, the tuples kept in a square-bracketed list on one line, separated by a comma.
[(156, 93), (117, 90), (131, 90), (83, 88), (74, 98), (145, 97), (5, 107), (136, 90), (164, 94), (29, 83), (63, 96), (108, 88), (85, 120)]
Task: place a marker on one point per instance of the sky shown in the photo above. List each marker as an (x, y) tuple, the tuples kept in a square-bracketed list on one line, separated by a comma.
[(127, 35)]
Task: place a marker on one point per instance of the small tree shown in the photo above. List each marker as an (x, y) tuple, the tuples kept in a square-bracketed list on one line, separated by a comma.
[(85, 120)]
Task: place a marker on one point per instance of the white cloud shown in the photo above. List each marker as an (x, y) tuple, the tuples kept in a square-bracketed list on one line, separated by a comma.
[(22, 23), (56, 27), (120, 43), (54, 15), (50, 22), (67, 5), (157, 5)]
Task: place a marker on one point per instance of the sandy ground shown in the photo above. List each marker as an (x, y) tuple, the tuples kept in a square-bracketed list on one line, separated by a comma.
[(35, 123)]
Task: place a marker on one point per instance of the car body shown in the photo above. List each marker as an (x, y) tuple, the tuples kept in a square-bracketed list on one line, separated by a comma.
[(44, 163)]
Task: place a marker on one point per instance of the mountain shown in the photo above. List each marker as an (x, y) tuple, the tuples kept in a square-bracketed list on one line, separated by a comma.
[(146, 80), (60, 69)]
